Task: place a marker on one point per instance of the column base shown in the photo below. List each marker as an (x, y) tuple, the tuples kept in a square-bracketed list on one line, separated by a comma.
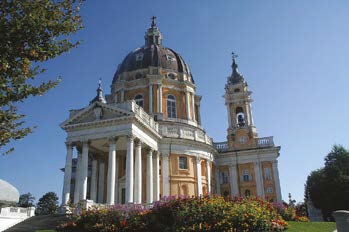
[(65, 210)]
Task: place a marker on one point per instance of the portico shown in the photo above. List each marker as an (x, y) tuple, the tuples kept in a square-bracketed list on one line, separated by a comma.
[(114, 151)]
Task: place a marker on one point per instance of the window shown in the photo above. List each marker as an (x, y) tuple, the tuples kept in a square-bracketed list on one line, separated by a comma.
[(247, 193), (270, 190), (246, 175), (171, 76), (139, 76), (170, 58), (224, 178), (240, 117), (183, 162), (139, 100), (236, 90), (139, 56), (171, 106), (267, 173)]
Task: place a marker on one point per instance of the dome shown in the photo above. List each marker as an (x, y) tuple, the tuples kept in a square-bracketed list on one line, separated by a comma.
[(153, 54), (8, 193)]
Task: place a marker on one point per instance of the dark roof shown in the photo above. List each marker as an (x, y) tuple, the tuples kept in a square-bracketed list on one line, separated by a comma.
[(153, 55)]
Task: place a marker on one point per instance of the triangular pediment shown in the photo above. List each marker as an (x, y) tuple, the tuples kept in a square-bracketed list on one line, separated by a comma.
[(96, 112)]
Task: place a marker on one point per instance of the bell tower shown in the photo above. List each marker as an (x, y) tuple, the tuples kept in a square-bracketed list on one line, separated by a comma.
[(241, 131)]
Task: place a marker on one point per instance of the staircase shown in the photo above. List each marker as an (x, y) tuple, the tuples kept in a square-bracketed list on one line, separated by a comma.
[(44, 222)]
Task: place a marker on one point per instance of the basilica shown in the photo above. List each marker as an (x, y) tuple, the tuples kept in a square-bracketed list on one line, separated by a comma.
[(144, 140)]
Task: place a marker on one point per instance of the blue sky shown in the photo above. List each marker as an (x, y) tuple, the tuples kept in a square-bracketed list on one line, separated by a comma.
[(293, 54)]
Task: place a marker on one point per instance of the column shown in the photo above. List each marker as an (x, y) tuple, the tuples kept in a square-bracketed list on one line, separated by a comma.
[(111, 171), (198, 174), (208, 171), (187, 104), (277, 181), (156, 177), (84, 170), (122, 97), (67, 174), (251, 117), (160, 98), (218, 184), (193, 106), (150, 176), (199, 115), (101, 182), (229, 115), (116, 190), (138, 173), (77, 179), (94, 181), (234, 188), (129, 170), (165, 174), (259, 179), (150, 98)]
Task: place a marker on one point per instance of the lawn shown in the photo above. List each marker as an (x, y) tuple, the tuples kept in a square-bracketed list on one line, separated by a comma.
[(312, 226)]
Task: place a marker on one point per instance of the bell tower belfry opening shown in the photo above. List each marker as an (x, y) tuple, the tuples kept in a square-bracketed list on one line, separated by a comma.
[(241, 130)]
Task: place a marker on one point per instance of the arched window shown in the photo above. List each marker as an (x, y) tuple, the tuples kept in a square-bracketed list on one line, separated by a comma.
[(247, 193), (139, 100), (171, 106), (240, 116)]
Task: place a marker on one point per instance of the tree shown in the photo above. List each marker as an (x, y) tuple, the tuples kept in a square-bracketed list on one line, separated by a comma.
[(26, 200), (328, 187), (48, 204), (31, 32)]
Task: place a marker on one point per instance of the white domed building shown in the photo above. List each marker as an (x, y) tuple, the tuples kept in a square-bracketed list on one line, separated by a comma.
[(144, 140)]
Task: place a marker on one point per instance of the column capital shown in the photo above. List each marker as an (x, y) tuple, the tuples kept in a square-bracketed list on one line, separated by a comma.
[(131, 137), (85, 142), (112, 140), (198, 159), (69, 145), (138, 142), (233, 165), (165, 155), (275, 162), (149, 149)]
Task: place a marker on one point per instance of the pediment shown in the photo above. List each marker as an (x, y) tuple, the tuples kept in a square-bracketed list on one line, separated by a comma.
[(94, 113)]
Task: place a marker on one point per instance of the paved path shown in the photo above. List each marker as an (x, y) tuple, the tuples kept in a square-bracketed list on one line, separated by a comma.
[(45, 222)]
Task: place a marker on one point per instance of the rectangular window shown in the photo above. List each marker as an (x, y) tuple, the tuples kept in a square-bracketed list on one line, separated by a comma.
[(183, 162), (246, 175), (171, 109), (267, 173), (224, 178), (269, 190)]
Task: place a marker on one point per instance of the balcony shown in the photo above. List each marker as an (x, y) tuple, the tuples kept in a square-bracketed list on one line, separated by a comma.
[(260, 143), (185, 132)]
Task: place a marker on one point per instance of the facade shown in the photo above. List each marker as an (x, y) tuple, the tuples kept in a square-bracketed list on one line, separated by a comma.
[(144, 140)]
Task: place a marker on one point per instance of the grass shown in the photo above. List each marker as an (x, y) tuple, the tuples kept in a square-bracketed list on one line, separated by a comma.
[(312, 226), (294, 227)]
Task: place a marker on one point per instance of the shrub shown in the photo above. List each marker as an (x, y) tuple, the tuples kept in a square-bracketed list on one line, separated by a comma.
[(183, 214), (289, 213)]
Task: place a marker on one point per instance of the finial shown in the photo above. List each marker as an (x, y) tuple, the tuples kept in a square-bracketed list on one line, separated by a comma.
[(99, 97), (100, 83), (235, 76), (153, 23), (234, 55)]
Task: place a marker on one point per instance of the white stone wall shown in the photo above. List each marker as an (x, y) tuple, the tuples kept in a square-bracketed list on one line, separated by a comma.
[(10, 216)]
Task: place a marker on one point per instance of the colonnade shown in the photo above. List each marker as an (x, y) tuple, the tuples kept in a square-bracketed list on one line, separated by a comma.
[(133, 182)]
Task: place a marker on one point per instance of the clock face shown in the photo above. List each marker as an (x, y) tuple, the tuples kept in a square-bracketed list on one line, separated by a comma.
[(242, 139)]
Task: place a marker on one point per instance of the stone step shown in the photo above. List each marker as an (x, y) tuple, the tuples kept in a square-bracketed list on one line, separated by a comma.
[(43, 222)]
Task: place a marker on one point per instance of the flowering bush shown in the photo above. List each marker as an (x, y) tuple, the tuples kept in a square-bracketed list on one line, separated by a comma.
[(183, 214), (288, 213)]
